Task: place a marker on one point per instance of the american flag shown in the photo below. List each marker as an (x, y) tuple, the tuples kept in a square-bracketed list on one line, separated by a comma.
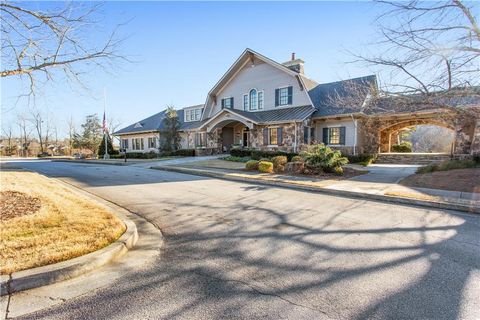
[(104, 123)]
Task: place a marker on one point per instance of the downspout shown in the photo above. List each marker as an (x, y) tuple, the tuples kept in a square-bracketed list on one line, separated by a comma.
[(295, 144), (354, 135)]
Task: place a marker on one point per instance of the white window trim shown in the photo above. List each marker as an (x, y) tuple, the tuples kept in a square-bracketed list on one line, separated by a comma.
[(248, 108), (258, 100), (284, 87)]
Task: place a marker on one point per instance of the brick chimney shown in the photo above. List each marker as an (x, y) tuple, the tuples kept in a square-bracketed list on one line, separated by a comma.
[(295, 64)]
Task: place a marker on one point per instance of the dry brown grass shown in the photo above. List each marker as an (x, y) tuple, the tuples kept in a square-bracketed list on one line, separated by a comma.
[(67, 224)]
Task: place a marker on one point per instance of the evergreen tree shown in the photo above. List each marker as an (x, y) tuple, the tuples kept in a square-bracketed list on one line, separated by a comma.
[(101, 147), (91, 135), (171, 134)]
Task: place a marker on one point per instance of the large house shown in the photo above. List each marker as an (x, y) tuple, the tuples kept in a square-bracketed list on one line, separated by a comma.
[(260, 103)]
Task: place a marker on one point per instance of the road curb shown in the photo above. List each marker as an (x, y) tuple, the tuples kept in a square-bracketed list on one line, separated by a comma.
[(49, 274), (343, 193)]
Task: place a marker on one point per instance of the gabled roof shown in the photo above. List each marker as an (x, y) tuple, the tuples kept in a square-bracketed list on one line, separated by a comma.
[(245, 57), (155, 123), (341, 97)]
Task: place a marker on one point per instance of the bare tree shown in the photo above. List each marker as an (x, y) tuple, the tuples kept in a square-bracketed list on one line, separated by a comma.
[(24, 133), (429, 52), (113, 124), (8, 133), (71, 134), (37, 42), (37, 120)]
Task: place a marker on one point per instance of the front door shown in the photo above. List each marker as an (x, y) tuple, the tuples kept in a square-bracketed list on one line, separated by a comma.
[(245, 138)]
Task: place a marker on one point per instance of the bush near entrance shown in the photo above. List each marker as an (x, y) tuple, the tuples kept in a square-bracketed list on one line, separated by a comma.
[(265, 167), (363, 159), (259, 154), (252, 165), (402, 147), (320, 158)]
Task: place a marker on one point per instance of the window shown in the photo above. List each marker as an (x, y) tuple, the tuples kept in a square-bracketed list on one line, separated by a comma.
[(253, 99), (227, 103), (124, 143), (152, 142), (193, 114), (334, 135), (283, 96), (245, 102), (273, 136), (201, 139), (137, 143), (260, 100)]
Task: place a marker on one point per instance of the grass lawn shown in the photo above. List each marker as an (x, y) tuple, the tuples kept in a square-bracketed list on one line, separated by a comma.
[(42, 222), (465, 180)]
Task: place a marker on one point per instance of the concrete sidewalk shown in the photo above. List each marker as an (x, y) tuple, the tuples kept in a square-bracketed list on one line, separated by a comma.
[(392, 192)]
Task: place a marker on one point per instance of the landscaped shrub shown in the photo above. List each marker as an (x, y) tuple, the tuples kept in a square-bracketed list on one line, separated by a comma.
[(140, 155), (449, 165), (320, 158), (265, 167), (295, 167), (338, 171), (363, 159), (252, 165), (297, 159), (236, 159), (402, 147), (279, 163), (241, 153), (182, 153)]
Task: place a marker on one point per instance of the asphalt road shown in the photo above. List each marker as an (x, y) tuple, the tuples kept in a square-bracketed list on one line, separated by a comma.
[(236, 250)]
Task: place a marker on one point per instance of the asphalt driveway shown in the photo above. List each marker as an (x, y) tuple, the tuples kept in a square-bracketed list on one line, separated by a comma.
[(236, 250)]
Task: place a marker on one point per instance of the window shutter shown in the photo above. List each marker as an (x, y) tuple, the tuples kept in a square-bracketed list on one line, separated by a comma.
[(265, 136), (325, 136), (280, 136), (342, 135), (223, 103), (231, 104), (277, 97), (305, 135), (290, 93)]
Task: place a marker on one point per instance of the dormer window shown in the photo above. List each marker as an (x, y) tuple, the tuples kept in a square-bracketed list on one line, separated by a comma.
[(193, 114), (227, 103), (138, 125)]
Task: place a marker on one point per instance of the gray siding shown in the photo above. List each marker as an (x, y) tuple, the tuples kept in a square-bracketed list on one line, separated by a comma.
[(262, 77)]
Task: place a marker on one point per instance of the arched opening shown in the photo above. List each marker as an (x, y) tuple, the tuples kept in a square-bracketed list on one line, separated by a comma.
[(233, 134), (418, 136)]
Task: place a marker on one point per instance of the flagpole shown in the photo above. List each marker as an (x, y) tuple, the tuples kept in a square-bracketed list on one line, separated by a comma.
[(105, 155)]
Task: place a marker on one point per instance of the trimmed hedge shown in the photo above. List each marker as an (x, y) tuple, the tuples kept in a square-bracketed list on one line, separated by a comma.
[(265, 167), (402, 147), (259, 154), (363, 159), (252, 165), (279, 163), (154, 155)]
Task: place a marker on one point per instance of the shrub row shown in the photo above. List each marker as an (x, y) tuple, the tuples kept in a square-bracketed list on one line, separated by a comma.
[(259, 154), (153, 155)]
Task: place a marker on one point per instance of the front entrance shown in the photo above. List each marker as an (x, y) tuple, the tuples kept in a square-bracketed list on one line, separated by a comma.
[(246, 136), (227, 138)]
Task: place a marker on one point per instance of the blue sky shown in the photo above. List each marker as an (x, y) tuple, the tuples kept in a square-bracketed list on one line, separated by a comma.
[(181, 49)]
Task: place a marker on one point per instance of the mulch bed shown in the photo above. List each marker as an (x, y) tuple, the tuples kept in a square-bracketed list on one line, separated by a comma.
[(465, 180), (15, 204), (347, 174)]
